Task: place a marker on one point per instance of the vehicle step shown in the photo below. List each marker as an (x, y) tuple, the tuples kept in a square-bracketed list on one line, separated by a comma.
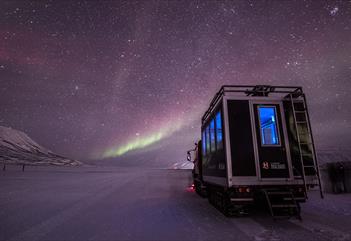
[(284, 206), (279, 193), (285, 216), (292, 199)]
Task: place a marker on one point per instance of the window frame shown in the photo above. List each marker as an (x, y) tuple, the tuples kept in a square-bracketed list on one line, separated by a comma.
[(203, 142), (208, 141), (213, 148)]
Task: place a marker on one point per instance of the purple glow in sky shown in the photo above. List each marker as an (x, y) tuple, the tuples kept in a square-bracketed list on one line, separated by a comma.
[(87, 77)]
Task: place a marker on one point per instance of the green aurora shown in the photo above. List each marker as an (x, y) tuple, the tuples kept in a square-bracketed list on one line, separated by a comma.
[(144, 141)]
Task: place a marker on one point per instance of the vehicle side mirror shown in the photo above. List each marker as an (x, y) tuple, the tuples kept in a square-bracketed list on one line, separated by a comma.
[(188, 156)]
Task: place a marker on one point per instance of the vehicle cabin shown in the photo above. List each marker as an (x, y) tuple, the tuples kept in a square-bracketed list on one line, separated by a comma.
[(258, 137)]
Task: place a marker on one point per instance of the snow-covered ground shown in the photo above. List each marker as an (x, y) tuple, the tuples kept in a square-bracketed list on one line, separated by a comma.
[(99, 203), (17, 148)]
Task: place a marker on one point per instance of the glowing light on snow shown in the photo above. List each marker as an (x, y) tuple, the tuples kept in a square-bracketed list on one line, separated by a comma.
[(334, 11), (141, 141)]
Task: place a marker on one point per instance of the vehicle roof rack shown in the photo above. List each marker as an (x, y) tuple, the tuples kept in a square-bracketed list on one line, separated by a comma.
[(254, 90)]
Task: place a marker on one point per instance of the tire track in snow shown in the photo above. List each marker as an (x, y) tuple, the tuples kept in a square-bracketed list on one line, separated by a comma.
[(321, 230), (39, 231)]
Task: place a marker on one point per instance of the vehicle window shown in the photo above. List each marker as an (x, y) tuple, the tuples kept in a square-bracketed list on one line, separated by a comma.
[(268, 125), (219, 133)]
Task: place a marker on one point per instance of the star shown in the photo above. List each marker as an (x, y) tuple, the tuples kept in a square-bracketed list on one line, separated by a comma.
[(124, 77)]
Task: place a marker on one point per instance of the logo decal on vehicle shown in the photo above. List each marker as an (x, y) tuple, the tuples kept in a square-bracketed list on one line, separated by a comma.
[(265, 165)]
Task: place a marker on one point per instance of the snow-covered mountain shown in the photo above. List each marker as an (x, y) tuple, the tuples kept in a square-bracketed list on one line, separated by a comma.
[(17, 148)]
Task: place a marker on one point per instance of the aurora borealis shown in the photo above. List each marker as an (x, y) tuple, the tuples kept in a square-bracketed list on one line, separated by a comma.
[(101, 79), (144, 141)]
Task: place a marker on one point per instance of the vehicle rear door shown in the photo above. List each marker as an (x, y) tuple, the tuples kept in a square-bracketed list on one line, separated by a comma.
[(271, 143)]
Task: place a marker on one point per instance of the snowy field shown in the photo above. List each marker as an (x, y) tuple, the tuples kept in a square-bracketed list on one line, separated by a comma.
[(88, 203)]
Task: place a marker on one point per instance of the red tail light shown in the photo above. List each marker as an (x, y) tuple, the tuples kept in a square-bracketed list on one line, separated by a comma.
[(244, 189), (191, 188)]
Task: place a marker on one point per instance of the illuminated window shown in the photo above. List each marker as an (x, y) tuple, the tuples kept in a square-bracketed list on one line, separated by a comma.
[(268, 125), (219, 133), (207, 139), (203, 142), (212, 135)]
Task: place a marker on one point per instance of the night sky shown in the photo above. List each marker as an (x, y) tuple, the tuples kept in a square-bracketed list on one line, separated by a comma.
[(83, 78)]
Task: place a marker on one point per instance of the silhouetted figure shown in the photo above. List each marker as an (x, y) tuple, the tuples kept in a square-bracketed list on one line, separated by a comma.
[(337, 177)]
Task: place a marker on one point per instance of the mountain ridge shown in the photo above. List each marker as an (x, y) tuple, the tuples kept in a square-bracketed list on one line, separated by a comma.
[(16, 147)]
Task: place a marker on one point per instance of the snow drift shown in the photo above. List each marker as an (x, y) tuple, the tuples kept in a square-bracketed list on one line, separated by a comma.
[(17, 148)]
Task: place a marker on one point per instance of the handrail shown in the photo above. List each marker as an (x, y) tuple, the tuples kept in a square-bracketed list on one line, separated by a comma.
[(253, 90)]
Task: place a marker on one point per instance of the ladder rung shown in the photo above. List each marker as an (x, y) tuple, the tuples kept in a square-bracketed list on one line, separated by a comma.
[(308, 166), (298, 102), (307, 158), (300, 111), (304, 133), (301, 122), (305, 143)]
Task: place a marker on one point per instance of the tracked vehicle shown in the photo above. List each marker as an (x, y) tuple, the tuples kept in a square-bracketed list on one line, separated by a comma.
[(256, 144)]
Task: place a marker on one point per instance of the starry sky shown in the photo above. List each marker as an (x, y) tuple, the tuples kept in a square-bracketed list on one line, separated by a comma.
[(91, 79)]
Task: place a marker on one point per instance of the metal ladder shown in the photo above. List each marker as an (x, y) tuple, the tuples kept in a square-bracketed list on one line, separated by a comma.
[(282, 203), (305, 140)]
